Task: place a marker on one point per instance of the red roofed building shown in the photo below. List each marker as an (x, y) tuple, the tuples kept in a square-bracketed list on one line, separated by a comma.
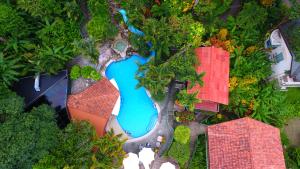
[(244, 144), (95, 104), (215, 63)]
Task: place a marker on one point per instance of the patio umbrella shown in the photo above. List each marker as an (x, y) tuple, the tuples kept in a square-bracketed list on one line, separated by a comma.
[(146, 156), (167, 165), (131, 162)]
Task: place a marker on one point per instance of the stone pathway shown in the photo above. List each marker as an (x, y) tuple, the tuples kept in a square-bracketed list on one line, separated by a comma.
[(164, 127), (292, 130)]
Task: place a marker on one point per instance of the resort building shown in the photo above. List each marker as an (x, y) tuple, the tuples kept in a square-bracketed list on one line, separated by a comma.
[(244, 144), (214, 62), (95, 104), (282, 53), (45, 89)]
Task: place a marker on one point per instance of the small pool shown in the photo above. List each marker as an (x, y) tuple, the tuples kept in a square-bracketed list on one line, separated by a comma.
[(138, 114)]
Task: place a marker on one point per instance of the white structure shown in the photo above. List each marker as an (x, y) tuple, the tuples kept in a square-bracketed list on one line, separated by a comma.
[(146, 156), (167, 165), (283, 64), (131, 162)]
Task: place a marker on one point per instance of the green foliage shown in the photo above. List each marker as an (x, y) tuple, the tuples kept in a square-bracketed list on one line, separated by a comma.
[(40, 8), (155, 79), (11, 24), (52, 59), (100, 26), (185, 116), (182, 134), (100, 29), (292, 157), (109, 153), (95, 75), (294, 40), (78, 146), (199, 157), (59, 33), (188, 99), (90, 72), (75, 72), (11, 105), (168, 35), (8, 69), (25, 137), (180, 152), (73, 148), (294, 11), (87, 47)]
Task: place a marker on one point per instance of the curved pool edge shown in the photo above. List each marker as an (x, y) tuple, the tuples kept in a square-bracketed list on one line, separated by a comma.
[(153, 130)]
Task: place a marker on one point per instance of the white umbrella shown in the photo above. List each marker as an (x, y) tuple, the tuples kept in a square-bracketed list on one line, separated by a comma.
[(131, 162), (167, 165), (146, 156)]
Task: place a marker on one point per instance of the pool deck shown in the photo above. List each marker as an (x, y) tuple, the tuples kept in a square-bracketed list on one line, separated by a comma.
[(162, 128)]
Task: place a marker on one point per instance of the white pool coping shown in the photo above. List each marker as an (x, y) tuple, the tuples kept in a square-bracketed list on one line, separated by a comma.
[(117, 106)]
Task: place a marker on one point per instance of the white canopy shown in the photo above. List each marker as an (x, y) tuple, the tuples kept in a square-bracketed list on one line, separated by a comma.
[(131, 162), (146, 156), (167, 165)]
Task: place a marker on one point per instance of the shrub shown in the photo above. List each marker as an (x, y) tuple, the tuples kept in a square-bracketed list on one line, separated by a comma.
[(86, 72), (180, 152), (185, 116), (182, 134), (75, 72), (95, 75), (89, 72), (101, 29), (199, 158)]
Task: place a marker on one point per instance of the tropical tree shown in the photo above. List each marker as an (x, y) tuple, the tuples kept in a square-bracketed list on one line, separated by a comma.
[(87, 47), (109, 151), (155, 79), (79, 147), (9, 67), (187, 99), (40, 8), (11, 24), (25, 136), (51, 59)]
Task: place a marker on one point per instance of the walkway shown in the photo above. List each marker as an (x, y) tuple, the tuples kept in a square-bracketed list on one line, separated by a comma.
[(162, 128)]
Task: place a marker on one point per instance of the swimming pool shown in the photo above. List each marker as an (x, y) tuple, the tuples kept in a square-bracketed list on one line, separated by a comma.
[(138, 114)]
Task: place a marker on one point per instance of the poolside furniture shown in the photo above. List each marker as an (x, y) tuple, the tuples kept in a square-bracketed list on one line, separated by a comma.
[(131, 162), (146, 156), (167, 165)]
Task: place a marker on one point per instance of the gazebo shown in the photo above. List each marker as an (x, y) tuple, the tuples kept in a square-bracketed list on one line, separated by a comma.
[(244, 144)]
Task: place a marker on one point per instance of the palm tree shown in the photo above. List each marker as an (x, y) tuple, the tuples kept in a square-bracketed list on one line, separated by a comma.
[(155, 79), (188, 99)]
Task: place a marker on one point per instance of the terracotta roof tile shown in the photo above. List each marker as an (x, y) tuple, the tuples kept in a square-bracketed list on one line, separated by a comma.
[(244, 144), (94, 104), (215, 63)]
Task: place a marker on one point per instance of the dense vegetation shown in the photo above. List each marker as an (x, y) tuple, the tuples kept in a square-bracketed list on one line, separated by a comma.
[(33, 139), (180, 148), (43, 35)]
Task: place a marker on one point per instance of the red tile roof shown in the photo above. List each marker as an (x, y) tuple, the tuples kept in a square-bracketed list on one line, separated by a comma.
[(215, 63), (207, 106), (94, 104), (244, 144)]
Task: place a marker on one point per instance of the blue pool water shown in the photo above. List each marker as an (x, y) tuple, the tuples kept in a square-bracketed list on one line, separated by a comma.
[(137, 115)]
